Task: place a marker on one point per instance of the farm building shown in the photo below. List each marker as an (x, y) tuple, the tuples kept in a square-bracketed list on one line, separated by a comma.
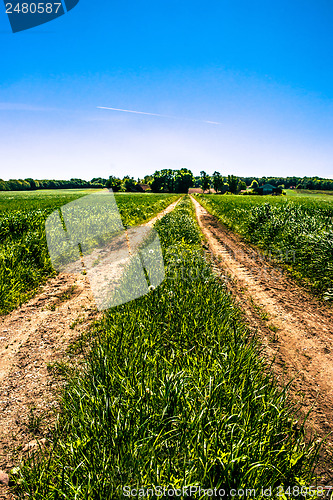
[(268, 189), (143, 187)]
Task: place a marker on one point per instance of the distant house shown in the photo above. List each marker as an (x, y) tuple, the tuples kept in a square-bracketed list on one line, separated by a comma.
[(195, 190), (268, 189), (143, 187)]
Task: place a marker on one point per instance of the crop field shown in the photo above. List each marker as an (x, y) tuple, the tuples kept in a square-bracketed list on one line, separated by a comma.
[(171, 391), (308, 193), (296, 230), (24, 260), (172, 388)]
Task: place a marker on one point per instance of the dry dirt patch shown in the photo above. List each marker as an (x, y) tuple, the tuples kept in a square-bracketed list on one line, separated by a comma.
[(295, 328)]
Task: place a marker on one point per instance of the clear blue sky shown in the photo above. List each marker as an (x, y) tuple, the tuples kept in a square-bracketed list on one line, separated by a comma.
[(262, 69)]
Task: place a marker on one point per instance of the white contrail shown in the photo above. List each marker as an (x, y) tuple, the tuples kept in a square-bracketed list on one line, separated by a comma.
[(157, 114)]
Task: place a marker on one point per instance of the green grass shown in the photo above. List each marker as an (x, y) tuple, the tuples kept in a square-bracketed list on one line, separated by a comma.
[(12, 200), (173, 393), (24, 259), (307, 193), (297, 231)]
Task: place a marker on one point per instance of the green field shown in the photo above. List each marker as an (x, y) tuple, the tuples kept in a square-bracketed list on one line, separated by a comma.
[(306, 193), (24, 259), (296, 230), (172, 392)]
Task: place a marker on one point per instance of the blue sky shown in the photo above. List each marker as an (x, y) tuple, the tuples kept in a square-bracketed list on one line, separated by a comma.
[(263, 70)]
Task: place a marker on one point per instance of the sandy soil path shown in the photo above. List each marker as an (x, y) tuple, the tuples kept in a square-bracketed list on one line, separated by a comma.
[(296, 329), (32, 337)]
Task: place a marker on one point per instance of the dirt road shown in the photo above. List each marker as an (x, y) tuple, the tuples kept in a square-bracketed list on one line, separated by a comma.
[(295, 328), (32, 337)]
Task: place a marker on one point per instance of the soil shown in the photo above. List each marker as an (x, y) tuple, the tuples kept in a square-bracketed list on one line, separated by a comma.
[(32, 338), (295, 328)]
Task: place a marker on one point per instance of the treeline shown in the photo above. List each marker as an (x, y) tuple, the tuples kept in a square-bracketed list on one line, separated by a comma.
[(179, 181), (313, 183), (235, 184), (171, 181), (33, 184), (125, 184)]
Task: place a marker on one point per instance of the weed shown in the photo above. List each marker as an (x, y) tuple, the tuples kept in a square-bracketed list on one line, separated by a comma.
[(260, 310), (76, 322), (34, 422)]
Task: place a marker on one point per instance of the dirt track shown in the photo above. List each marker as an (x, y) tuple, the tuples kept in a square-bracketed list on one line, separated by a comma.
[(31, 337), (295, 328)]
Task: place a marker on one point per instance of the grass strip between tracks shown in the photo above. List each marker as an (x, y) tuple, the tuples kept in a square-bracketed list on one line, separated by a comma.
[(172, 392)]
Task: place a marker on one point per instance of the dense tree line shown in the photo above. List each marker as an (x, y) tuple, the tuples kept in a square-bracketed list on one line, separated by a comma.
[(315, 183), (33, 184), (233, 184), (171, 181), (126, 184)]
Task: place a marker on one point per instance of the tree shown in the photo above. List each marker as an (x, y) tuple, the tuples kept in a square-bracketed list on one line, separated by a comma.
[(225, 188), (197, 181), (205, 181), (172, 181), (241, 186), (32, 183), (114, 183), (217, 181), (254, 184), (129, 184), (169, 180), (163, 181), (98, 180), (18, 185), (158, 185), (148, 179), (233, 182), (183, 180)]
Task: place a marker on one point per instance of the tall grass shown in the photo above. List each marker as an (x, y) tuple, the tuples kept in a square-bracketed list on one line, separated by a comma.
[(298, 233), (24, 259), (173, 393)]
